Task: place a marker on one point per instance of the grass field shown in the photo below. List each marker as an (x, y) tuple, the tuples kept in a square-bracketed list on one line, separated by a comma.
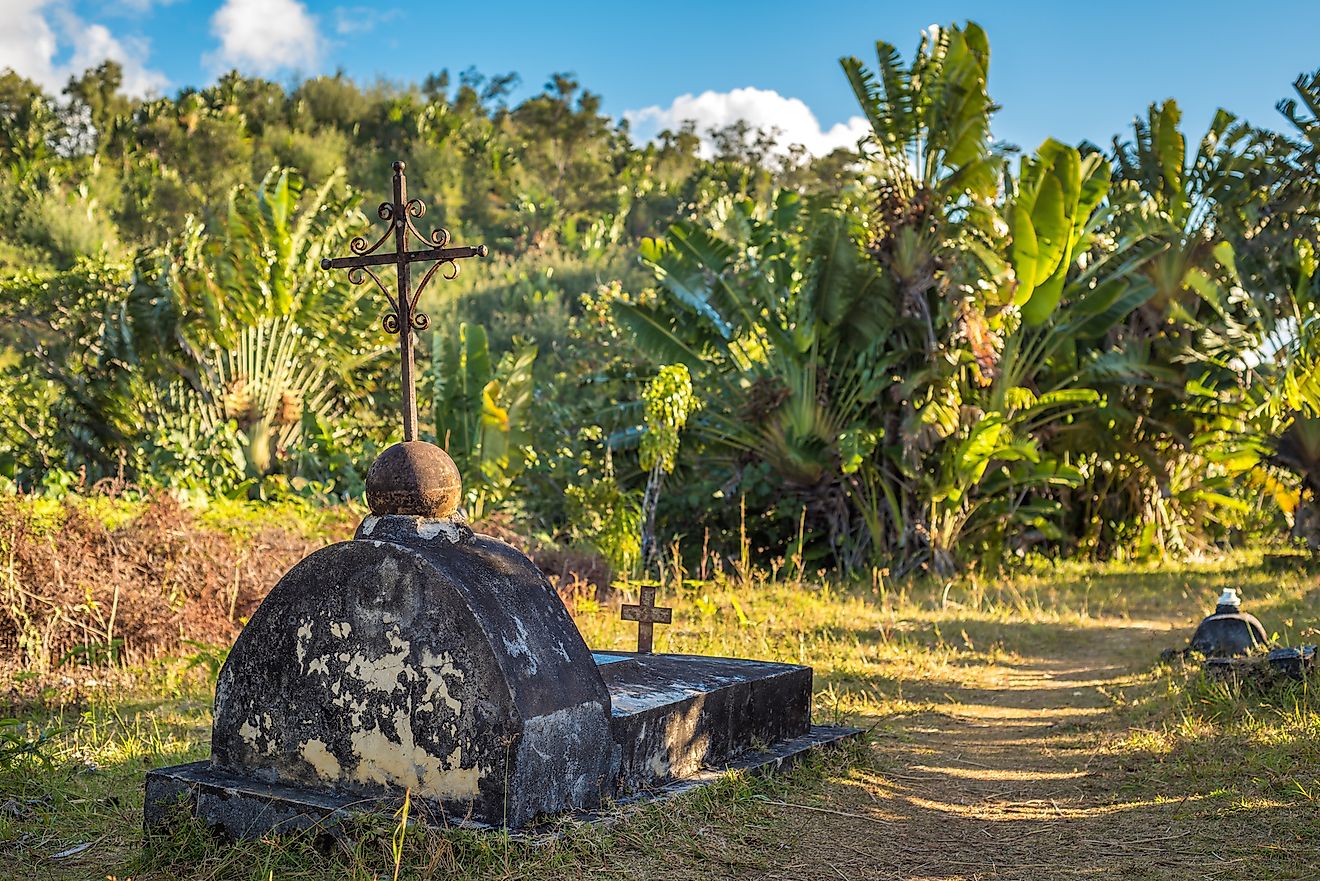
[(1020, 728)]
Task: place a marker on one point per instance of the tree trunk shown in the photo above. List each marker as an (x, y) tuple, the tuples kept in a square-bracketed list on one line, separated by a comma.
[(649, 501)]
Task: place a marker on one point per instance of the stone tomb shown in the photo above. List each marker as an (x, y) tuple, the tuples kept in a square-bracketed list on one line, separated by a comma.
[(422, 657)]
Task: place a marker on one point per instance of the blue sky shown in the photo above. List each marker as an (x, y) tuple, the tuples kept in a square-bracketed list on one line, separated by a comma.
[(1073, 71)]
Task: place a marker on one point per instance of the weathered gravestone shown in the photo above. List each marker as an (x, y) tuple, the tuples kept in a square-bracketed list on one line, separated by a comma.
[(423, 658), (1233, 644), (1227, 632)]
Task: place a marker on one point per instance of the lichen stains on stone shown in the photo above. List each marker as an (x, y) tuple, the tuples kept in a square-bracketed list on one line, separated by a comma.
[(316, 754), (517, 647), (430, 529), (384, 750), (435, 668), (250, 732), (397, 759), (256, 733), (304, 634), (368, 524), (340, 630), (355, 708), (382, 674)]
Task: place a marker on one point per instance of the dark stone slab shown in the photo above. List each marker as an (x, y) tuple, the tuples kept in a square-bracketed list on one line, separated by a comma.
[(773, 759), (1294, 663), (418, 656), (673, 715), (1276, 666), (237, 807)]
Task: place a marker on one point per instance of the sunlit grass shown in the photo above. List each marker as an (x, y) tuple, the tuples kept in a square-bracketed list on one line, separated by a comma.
[(883, 653)]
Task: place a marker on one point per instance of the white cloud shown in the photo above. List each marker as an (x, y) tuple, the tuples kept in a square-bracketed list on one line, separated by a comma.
[(94, 43), (351, 20), (265, 37), (31, 45), (28, 44), (761, 108)]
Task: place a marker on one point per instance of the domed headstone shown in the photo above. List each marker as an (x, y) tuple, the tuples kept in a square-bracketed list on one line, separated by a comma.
[(418, 657), (1229, 632)]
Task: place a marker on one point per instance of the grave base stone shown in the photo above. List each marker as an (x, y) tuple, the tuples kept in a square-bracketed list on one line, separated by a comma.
[(423, 658), (1271, 668)]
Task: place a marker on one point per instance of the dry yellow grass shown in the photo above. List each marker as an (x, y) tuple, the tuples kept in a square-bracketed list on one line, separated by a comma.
[(1021, 729)]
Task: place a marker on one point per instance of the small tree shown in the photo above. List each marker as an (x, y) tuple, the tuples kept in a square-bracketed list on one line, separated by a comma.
[(669, 401)]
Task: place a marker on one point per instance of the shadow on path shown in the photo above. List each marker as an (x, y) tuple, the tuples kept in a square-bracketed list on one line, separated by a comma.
[(1009, 777)]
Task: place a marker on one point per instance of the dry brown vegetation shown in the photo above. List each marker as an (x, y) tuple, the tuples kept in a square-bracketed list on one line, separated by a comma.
[(91, 581), (74, 588), (574, 572)]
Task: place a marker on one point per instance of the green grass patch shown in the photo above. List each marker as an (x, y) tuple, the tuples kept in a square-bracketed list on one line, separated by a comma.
[(889, 656)]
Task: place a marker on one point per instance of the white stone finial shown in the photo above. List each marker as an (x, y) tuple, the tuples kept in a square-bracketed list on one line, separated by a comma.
[(1229, 598)]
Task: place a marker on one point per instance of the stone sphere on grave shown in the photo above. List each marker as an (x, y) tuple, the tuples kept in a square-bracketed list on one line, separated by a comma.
[(415, 479)]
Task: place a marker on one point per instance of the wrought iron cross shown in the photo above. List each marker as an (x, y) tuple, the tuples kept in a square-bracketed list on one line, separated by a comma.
[(404, 318), (647, 614)]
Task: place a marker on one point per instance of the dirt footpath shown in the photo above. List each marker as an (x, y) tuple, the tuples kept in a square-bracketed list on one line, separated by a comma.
[(1011, 776)]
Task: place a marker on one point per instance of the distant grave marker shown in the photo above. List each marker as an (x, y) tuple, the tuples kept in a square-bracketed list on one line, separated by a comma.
[(423, 658), (1235, 645), (647, 615)]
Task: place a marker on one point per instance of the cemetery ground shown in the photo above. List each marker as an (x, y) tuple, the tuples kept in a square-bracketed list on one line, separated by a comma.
[(1020, 727)]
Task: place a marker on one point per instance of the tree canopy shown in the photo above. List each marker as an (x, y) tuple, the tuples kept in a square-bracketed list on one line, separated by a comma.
[(934, 350)]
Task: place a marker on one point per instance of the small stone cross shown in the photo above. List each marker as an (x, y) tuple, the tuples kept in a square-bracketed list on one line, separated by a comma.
[(647, 614)]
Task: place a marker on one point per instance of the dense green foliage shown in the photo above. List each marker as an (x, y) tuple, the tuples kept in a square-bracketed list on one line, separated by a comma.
[(936, 350)]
